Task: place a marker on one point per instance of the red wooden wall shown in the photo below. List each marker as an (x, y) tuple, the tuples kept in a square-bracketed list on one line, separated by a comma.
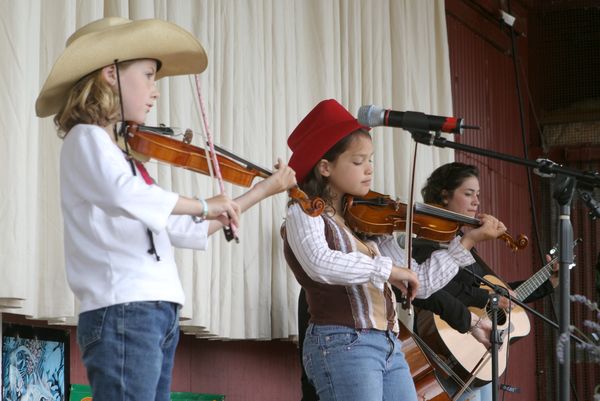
[(484, 94)]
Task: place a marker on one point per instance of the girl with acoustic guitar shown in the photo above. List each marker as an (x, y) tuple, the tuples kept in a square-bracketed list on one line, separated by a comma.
[(119, 226), (455, 187), (351, 350)]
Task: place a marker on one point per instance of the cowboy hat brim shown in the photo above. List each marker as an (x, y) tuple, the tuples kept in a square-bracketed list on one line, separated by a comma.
[(178, 52)]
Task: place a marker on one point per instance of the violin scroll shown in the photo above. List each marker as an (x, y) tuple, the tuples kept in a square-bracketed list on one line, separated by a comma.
[(516, 245), (313, 207)]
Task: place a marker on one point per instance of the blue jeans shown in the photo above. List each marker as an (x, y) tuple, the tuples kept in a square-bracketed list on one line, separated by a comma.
[(345, 364), (128, 350)]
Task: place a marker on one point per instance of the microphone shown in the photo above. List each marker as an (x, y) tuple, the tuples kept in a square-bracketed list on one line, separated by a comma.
[(373, 116), (420, 242)]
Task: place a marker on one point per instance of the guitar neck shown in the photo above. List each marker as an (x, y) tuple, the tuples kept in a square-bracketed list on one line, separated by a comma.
[(535, 281)]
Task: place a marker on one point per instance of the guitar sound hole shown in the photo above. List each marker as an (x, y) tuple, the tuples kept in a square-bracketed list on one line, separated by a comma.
[(501, 315)]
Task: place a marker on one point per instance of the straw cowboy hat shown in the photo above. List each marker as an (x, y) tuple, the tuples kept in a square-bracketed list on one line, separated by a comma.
[(101, 42)]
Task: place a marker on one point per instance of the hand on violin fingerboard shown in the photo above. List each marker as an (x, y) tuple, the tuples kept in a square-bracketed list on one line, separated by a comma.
[(281, 180), (491, 228)]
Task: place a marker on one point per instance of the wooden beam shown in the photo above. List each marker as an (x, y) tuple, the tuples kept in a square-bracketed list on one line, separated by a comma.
[(480, 22), (569, 116), (582, 153), (545, 6), (567, 153)]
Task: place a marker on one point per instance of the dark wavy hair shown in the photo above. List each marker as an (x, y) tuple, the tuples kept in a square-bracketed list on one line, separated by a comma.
[(445, 179), (315, 185)]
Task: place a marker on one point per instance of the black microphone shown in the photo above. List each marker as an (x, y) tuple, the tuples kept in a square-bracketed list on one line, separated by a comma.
[(373, 116), (420, 242)]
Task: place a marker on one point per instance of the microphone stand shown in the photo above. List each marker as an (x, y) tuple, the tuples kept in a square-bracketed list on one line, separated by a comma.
[(564, 195), (496, 342), (567, 181)]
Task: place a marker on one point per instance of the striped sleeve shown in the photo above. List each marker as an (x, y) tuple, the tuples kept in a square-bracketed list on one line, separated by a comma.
[(436, 271), (306, 237)]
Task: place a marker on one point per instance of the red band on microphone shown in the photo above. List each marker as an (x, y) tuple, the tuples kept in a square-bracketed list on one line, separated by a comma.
[(450, 124)]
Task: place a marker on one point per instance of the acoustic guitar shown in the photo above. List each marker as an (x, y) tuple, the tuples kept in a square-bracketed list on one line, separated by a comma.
[(466, 356)]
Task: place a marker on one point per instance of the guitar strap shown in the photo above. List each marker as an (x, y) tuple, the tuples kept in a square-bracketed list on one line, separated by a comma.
[(479, 260), (481, 263)]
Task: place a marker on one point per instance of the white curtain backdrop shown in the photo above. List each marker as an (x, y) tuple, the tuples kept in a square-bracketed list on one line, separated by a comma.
[(270, 62)]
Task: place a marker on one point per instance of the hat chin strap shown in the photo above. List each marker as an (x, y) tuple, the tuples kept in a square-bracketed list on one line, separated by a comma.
[(122, 131)]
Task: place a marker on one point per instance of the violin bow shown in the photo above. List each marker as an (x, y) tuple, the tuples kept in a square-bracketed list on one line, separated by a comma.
[(409, 223), (230, 230)]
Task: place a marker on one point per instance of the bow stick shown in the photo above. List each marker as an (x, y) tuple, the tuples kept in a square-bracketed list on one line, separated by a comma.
[(230, 230), (409, 224)]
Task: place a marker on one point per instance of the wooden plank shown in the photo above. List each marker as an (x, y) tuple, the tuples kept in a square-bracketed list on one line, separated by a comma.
[(480, 24), (483, 18)]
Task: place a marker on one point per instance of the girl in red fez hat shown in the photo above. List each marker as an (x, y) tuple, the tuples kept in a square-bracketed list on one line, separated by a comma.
[(351, 350)]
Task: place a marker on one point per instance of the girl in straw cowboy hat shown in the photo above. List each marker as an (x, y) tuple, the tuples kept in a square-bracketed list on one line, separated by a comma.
[(119, 226), (351, 350)]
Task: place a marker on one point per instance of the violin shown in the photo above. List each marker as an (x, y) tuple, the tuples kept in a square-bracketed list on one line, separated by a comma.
[(377, 214), (152, 142)]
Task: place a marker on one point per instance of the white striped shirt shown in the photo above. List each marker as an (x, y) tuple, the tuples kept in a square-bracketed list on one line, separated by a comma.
[(306, 237)]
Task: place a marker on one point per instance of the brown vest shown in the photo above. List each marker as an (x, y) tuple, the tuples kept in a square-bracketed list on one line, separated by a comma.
[(360, 306)]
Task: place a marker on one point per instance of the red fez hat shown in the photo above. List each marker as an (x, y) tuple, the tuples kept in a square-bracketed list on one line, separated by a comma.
[(326, 124)]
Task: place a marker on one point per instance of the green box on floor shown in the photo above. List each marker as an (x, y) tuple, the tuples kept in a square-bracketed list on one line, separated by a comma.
[(196, 397), (80, 392)]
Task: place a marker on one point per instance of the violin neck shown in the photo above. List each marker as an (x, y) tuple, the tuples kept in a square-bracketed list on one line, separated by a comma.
[(167, 131), (264, 173), (429, 210)]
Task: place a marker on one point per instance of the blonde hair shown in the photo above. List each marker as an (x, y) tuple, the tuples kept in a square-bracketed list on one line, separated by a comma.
[(91, 101)]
